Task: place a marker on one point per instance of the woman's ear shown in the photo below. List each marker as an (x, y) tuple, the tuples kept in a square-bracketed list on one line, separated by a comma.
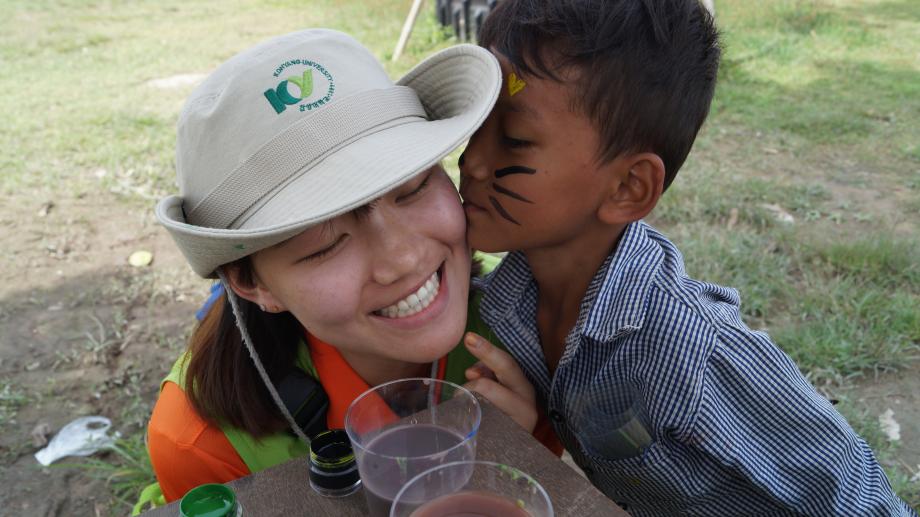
[(255, 292), (639, 186)]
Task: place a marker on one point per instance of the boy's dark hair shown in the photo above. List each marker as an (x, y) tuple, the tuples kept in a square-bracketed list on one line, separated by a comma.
[(646, 68)]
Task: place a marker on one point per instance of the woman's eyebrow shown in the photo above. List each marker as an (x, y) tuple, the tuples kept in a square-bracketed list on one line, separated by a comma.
[(362, 212), (326, 230)]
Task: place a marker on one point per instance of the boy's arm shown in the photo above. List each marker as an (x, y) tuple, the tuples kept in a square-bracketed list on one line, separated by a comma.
[(760, 417)]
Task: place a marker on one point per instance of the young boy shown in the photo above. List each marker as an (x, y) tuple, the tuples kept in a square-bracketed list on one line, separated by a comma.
[(667, 401)]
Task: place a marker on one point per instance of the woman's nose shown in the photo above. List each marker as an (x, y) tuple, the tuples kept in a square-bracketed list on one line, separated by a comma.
[(397, 250)]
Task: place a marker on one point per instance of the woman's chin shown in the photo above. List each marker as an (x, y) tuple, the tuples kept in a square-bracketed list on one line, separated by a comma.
[(433, 348)]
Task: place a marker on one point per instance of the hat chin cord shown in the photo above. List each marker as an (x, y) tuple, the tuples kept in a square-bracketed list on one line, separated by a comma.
[(244, 333)]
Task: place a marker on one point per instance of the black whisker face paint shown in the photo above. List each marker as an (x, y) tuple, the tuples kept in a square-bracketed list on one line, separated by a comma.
[(501, 173), (501, 210), (510, 193), (514, 169)]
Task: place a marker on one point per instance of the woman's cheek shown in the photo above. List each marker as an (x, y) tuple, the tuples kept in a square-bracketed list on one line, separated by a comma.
[(330, 298), (447, 212), (326, 307)]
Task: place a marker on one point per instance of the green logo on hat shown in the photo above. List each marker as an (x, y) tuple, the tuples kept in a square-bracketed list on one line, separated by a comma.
[(281, 97)]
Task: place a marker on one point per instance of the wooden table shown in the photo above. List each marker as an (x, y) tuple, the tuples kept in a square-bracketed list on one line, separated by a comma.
[(285, 489)]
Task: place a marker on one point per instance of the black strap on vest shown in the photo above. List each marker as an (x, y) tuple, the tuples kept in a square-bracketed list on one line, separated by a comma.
[(306, 400)]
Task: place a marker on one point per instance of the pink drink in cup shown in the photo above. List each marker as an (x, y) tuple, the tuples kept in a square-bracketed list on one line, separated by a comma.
[(470, 504), (472, 489), (405, 427)]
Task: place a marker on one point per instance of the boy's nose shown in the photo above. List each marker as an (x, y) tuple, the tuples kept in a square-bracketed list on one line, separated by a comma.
[(471, 163)]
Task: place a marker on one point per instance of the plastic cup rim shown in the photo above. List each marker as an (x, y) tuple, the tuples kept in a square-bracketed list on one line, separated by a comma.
[(355, 443), (474, 463)]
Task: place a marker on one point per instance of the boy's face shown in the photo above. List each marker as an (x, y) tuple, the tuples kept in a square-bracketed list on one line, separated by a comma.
[(529, 177)]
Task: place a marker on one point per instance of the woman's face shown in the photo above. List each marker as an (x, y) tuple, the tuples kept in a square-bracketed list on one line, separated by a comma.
[(388, 280)]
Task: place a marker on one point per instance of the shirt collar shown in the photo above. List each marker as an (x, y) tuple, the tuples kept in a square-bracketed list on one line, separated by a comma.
[(616, 299), (623, 285), (504, 287)]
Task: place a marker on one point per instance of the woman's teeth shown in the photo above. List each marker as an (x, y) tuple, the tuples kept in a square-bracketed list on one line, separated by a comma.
[(415, 302)]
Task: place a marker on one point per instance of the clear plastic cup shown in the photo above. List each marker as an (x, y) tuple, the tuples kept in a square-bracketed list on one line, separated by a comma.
[(480, 488), (405, 427)]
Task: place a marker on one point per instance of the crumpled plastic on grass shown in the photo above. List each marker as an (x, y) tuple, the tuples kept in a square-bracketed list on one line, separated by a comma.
[(81, 437)]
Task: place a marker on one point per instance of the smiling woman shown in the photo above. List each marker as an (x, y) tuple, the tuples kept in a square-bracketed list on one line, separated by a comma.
[(320, 203), (359, 280)]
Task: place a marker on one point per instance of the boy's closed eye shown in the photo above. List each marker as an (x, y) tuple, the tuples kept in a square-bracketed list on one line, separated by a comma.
[(515, 143)]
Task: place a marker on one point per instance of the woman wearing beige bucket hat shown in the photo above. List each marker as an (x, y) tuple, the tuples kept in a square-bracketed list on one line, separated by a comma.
[(310, 185)]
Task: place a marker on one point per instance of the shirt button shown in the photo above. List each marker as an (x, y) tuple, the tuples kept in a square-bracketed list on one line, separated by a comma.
[(556, 416)]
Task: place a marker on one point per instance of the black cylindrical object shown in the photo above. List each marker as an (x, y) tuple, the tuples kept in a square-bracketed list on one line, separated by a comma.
[(333, 470)]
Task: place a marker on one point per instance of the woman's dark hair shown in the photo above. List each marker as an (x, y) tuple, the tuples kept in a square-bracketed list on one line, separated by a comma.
[(646, 69), (221, 380)]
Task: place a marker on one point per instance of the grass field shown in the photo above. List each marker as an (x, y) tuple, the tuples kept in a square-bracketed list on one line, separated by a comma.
[(803, 190)]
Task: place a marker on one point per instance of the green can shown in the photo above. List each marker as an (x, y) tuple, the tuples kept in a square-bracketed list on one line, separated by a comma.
[(211, 500)]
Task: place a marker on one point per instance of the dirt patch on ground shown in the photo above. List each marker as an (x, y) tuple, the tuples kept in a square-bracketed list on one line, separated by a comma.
[(897, 394), (875, 194), (83, 333), (856, 197)]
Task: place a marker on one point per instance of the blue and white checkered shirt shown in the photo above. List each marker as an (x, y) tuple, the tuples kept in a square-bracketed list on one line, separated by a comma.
[(672, 406)]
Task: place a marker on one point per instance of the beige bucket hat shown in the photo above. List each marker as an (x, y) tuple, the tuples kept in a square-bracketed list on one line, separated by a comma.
[(306, 126)]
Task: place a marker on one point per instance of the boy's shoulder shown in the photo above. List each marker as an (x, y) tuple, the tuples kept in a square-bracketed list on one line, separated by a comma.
[(644, 285), (641, 306), (711, 305), (644, 271)]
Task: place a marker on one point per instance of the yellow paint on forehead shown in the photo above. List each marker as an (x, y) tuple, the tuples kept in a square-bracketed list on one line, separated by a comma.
[(515, 84)]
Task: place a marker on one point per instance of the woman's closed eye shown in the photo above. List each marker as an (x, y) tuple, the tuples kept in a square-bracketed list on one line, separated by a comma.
[(417, 190), (316, 255)]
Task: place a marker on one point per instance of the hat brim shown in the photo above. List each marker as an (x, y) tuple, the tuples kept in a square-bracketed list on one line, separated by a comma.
[(457, 87)]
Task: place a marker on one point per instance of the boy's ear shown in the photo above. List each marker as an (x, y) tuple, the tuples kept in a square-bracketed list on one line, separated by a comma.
[(635, 192), (256, 292)]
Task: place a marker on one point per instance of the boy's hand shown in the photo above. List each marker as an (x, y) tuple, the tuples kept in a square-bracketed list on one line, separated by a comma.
[(498, 378)]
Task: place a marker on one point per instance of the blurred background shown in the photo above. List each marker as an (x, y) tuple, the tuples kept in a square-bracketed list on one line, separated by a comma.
[(803, 191)]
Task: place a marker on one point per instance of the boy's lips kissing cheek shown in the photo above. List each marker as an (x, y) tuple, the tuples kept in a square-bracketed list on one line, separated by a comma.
[(470, 204), (471, 208)]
